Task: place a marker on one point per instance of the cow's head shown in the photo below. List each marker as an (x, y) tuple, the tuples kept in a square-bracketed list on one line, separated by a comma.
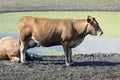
[(93, 26)]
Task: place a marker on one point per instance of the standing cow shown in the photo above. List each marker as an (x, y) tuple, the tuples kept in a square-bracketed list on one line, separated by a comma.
[(49, 32), (9, 49)]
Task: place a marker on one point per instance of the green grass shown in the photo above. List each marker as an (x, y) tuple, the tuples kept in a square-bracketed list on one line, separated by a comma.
[(47, 51), (109, 21)]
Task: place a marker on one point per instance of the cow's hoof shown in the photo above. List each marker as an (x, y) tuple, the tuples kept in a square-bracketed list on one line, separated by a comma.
[(26, 63), (23, 61), (67, 64)]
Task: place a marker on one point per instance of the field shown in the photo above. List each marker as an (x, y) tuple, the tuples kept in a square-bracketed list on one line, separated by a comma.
[(96, 66), (109, 21), (85, 67)]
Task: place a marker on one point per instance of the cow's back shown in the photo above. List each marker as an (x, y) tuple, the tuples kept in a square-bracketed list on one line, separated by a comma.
[(46, 31)]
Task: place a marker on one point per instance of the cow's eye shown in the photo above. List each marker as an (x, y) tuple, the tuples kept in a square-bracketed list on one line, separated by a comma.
[(94, 24)]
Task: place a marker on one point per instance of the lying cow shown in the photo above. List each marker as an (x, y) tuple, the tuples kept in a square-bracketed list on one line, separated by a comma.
[(9, 49), (50, 32)]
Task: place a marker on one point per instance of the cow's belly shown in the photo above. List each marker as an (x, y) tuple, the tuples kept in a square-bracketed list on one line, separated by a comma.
[(49, 43), (53, 41), (46, 39), (75, 43)]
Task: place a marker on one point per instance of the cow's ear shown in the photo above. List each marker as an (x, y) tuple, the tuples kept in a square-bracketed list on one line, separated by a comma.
[(89, 19), (94, 18)]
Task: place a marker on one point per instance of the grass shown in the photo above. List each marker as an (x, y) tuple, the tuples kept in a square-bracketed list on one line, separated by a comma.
[(45, 51), (109, 21), (48, 51)]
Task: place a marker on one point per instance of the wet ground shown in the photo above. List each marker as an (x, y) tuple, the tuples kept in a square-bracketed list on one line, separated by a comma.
[(86, 67)]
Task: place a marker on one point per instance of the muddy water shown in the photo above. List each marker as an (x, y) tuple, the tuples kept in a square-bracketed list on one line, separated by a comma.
[(89, 45)]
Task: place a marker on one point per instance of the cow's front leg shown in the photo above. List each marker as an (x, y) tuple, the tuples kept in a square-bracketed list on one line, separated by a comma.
[(67, 55)]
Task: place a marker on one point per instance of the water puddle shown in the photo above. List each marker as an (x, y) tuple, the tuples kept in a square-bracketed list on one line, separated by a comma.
[(89, 45)]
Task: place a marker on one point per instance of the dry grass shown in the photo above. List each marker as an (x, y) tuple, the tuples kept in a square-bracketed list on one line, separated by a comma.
[(23, 5)]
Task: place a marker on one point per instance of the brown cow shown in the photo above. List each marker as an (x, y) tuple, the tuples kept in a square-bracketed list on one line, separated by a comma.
[(9, 49), (49, 32)]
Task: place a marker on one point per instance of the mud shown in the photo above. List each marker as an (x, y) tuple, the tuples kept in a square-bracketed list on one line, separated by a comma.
[(96, 66)]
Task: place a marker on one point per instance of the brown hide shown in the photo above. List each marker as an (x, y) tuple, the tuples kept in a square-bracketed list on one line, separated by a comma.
[(9, 49), (45, 32), (49, 32)]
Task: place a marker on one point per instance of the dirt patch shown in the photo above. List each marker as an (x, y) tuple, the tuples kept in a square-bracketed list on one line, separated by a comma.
[(85, 67)]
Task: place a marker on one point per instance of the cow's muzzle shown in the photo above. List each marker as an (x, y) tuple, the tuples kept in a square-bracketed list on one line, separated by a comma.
[(99, 33)]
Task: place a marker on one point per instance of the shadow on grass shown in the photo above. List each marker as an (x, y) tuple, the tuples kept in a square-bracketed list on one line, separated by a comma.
[(85, 63), (49, 61), (96, 63)]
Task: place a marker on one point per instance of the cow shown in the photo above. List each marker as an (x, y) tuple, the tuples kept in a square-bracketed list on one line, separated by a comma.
[(9, 49), (52, 32)]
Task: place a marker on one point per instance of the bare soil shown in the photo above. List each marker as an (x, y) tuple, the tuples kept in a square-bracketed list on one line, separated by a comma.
[(85, 67)]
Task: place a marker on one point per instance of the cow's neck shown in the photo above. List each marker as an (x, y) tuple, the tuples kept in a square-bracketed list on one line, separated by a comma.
[(82, 28)]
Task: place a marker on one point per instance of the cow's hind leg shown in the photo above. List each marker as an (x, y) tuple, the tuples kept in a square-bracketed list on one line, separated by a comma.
[(23, 48), (28, 56)]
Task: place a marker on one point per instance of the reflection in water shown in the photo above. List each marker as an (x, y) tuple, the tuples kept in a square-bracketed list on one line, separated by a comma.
[(89, 45)]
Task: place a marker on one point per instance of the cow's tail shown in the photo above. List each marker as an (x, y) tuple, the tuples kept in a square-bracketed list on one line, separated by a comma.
[(19, 43)]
